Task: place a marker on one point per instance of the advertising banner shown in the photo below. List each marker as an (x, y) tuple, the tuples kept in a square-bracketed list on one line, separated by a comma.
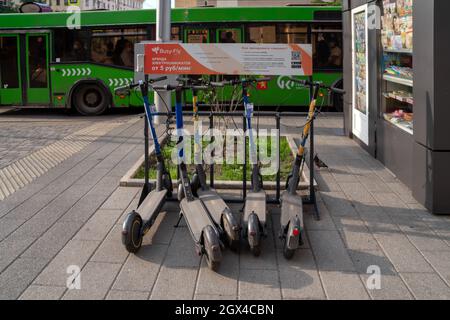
[(228, 59)]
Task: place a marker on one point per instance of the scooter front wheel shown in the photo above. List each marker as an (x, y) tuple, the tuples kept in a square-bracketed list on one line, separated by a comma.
[(211, 246), (132, 232)]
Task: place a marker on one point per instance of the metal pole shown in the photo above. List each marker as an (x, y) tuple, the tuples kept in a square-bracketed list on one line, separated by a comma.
[(163, 32)]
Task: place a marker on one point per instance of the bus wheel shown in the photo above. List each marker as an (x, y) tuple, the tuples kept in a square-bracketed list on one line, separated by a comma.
[(90, 100)]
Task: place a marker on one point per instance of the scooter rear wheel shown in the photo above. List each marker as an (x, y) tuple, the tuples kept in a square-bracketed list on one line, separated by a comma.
[(287, 253), (254, 235), (211, 245), (132, 232), (232, 236)]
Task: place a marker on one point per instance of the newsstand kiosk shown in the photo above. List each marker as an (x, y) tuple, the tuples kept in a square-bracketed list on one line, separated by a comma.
[(397, 106)]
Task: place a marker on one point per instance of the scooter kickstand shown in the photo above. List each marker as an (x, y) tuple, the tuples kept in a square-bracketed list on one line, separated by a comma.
[(177, 225)]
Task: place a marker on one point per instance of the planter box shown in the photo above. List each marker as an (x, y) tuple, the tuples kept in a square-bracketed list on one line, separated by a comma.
[(128, 179)]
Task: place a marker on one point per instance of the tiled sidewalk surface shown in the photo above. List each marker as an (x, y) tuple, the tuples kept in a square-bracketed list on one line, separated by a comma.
[(368, 219)]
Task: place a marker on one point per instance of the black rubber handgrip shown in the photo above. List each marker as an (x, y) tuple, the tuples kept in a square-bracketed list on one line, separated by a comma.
[(157, 79), (337, 90)]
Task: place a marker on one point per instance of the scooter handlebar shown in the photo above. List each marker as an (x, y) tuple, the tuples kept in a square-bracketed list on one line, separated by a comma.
[(320, 85), (247, 81), (125, 89)]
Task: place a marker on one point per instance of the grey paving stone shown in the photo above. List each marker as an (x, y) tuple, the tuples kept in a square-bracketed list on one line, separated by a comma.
[(126, 295), (112, 250), (121, 198), (427, 286), (356, 192), (7, 226), (299, 277), (392, 286), (373, 183), (75, 253), (105, 187), (403, 255), (175, 284), (53, 240), (206, 297), (181, 252), (83, 209), (358, 238), (402, 191), (425, 239), (260, 285), (140, 271), (96, 279), (18, 276), (440, 260), (338, 204), (343, 286), (224, 282), (329, 251), (35, 292), (31, 206), (12, 247), (163, 230), (324, 224), (99, 225)]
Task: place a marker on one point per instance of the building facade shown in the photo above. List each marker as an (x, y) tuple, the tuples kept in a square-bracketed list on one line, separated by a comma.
[(61, 5), (244, 3)]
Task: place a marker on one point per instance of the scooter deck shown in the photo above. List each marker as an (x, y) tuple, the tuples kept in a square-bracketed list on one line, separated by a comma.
[(213, 203), (196, 216), (256, 203), (152, 204), (291, 206)]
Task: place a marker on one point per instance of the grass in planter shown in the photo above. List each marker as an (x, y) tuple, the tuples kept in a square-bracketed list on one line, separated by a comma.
[(224, 172)]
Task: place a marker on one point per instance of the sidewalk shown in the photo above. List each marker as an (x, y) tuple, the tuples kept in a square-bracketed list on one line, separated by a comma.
[(72, 215)]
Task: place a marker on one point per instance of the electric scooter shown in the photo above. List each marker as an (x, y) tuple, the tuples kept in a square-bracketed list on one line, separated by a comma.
[(200, 223), (139, 221), (222, 215), (254, 219), (292, 224)]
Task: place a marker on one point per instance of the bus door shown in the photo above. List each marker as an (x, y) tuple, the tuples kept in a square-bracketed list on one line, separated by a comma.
[(10, 79), (36, 56)]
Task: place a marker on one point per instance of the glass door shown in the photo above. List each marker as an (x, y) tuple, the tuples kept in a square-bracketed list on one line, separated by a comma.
[(37, 71), (10, 80)]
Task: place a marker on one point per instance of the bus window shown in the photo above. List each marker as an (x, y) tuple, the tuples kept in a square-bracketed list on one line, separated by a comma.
[(37, 61), (71, 45), (292, 33), (175, 33), (327, 47), (9, 75), (229, 36), (115, 46), (262, 34), (197, 36)]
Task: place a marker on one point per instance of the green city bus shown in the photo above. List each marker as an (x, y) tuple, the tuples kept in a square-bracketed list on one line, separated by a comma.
[(43, 63)]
